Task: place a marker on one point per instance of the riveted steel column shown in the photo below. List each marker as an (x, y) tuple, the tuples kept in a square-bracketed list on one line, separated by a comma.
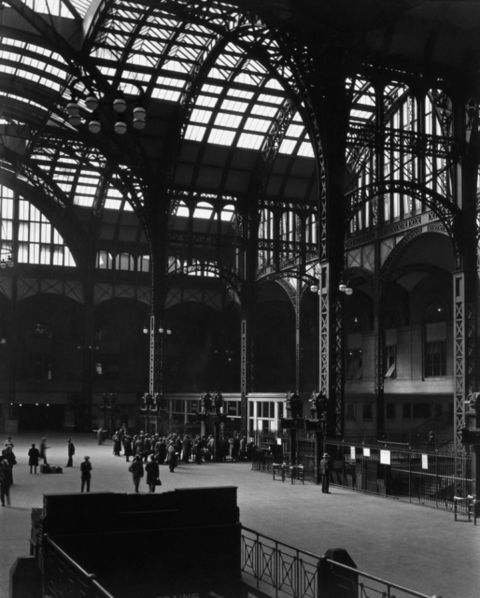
[(465, 278)]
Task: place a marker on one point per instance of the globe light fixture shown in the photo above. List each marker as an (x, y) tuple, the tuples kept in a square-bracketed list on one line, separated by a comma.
[(86, 108)]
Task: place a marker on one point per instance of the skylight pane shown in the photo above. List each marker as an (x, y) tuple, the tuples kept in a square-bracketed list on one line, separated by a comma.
[(257, 124), (113, 204), (287, 146), (234, 106), (294, 131), (207, 101), (221, 136), (82, 201), (200, 116), (228, 120), (167, 94), (270, 99), (250, 141), (195, 133), (262, 110), (306, 149)]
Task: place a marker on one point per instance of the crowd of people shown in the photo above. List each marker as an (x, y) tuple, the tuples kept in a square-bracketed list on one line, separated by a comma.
[(145, 452), (172, 448)]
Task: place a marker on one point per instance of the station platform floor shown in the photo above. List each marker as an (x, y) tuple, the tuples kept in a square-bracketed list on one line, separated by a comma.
[(419, 547)]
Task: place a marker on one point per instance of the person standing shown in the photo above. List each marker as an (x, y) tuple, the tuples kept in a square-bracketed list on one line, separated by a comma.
[(43, 450), (70, 452), (86, 474), (153, 473), (136, 469), (127, 447), (171, 458), (100, 436), (5, 476), (33, 458), (325, 471)]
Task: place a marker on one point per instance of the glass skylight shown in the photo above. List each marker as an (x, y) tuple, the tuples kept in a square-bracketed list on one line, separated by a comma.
[(56, 7), (33, 62)]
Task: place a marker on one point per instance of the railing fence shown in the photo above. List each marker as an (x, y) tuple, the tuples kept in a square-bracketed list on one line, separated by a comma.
[(428, 478), (280, 570)]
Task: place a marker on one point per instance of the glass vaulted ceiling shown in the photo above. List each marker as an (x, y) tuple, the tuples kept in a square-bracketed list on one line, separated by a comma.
[(177, 57), (238, 101)]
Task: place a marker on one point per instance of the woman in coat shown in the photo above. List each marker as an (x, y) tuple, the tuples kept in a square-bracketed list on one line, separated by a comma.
[(153, 473), (33, 458)]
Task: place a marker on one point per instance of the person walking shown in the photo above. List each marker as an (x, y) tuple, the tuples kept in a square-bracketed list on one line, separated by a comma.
[(33, 458), (5, 477), (9, 455), (86, 474), (153, 473), (136, 469), (325, 471), (70, 452)]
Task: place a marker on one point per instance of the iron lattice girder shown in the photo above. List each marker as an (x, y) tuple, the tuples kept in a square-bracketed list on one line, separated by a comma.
[(459, 359), (245, 29), (388, 138), (209, 240), (443, 207), (93, 158)]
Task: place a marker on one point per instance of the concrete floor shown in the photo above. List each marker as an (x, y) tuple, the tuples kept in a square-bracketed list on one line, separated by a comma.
[(418, 547)]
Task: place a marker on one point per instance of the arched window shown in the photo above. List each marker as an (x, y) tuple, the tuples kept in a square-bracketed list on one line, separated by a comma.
[(125, 261), (38, 241), (228, 212), (104, 260), (204, 211), (143, 263)]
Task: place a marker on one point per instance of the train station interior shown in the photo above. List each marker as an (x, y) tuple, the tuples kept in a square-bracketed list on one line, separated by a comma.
[(270, 204)]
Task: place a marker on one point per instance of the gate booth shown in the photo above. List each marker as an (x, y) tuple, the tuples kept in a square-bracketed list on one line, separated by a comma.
[(179, 543)]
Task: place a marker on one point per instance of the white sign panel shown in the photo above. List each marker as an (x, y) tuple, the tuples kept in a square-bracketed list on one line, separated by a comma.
[(385, 457)]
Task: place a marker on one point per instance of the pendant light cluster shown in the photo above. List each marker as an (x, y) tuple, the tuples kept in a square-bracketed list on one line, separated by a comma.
[(124, 111)]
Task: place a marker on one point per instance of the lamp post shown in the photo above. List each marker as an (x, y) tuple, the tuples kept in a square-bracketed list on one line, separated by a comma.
[(156, 400), (321, 400)]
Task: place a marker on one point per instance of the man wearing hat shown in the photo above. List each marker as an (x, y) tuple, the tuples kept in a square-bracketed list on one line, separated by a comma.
[(86, 473), (325, 471)]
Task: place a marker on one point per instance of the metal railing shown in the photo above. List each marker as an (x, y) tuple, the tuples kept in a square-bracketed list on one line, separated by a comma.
[(271, 566), (422, 477), (64, 578), (280, 570)]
